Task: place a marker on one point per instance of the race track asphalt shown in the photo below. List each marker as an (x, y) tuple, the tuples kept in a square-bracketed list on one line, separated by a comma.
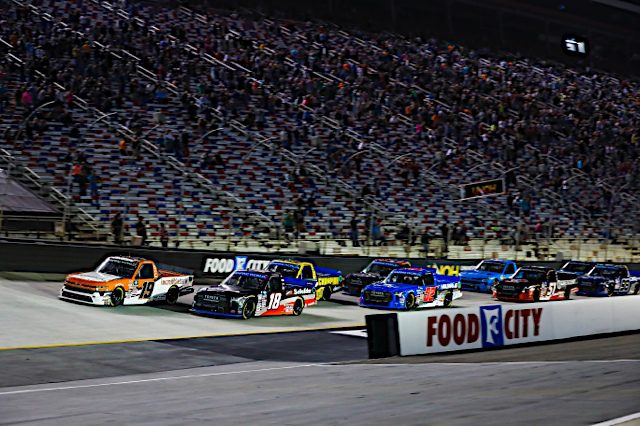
[(242, 389), (33, 315), (288, 377)]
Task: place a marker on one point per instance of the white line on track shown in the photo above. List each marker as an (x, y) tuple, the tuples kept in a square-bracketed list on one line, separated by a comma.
[(620, 420), (156, 379), (599, 361)]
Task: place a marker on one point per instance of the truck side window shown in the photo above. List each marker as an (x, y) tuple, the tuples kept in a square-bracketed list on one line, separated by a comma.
[(275, 285), (146, 271), (307, 273), (428, 279), (552, 276), (510, 269)]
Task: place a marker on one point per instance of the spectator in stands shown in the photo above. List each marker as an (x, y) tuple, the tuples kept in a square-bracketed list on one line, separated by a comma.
[(298, 217), (116, 228), (141, 230), (424, 240), (354, 232), (444, 230), (164, 236), (288, 224), (122, 147), (378, 234)]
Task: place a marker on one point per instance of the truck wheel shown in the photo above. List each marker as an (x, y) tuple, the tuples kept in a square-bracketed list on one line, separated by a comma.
[(326, 293), (410, 301), (635, 290), (249, 308), (448, 299), (611, 289), (172, 295), (117, 296), (536, 295), (298, 306), (567, 293)]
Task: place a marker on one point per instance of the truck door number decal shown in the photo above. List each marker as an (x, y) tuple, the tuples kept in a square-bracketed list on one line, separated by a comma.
[(429, 294), (147, 290), (274, 300)]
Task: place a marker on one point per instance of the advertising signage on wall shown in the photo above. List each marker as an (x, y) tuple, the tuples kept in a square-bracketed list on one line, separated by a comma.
[(485, 188)]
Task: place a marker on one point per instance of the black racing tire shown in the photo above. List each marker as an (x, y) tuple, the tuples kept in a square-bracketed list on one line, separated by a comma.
[(298, 306), (637, 288), (611, 289), (567, 293), (410, 301), (249, 308), (536, 295), (326, 293), (117, 296), (172, 295), (448, 299)]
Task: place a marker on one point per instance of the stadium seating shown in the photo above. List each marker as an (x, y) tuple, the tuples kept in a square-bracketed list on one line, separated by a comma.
[(300, 111)]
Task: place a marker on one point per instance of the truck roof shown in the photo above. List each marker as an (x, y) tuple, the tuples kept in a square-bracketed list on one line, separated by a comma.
[(414, 271)]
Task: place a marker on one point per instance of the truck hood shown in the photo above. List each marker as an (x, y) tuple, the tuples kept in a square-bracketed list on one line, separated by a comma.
[(591, 280), (230, 291), (92, 277), (389, 287), (478, 275), (364, 277), (568, 275), (519, 283)]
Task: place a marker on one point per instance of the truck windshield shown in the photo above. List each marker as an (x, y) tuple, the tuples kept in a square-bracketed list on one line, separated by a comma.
[(248, 282), (380, 269), (604, 272), (577, 267), (496, 267), (531, 276), (408, 279), (118, 267), (286, 269)]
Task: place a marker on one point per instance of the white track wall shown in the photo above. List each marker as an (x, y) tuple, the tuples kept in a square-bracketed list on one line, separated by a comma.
[(494, 326)]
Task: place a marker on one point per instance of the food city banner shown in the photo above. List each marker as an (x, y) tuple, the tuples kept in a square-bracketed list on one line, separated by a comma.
[(494, 326)]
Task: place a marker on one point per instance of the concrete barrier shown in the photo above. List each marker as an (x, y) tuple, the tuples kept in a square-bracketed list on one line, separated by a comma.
[(494, 326)]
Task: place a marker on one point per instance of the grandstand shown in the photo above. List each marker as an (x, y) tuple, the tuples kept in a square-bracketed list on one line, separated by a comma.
[(219, 125)]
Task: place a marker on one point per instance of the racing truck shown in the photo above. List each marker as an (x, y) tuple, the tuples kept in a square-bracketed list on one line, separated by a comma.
[(570, 271), (486, 274), (410, 288), (608, 280), (376, 271), (531, 284), (324, 280), (121, 280), (246, 294)]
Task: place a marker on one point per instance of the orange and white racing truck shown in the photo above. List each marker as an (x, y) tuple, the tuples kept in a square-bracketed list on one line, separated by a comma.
[(121, 280)]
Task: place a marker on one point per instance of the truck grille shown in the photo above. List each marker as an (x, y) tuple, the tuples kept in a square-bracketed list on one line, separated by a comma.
[(79, 297), (471, 282), (213, 302), (377, 297), (589, 287)]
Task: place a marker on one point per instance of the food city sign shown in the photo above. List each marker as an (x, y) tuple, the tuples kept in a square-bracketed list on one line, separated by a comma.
[(224, 265), (494, 326)]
